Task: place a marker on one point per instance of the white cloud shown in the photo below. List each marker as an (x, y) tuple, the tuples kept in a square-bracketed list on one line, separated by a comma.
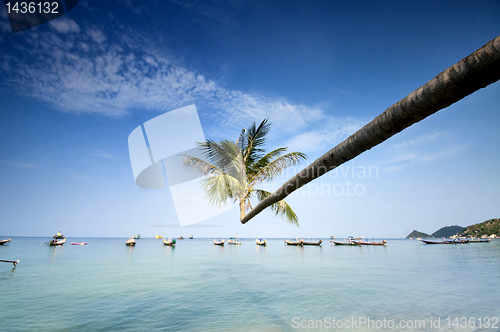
[(20, 165), (424, 139), (64, 25), (82, 74), (102, 154), (97, 35), (326, 136), (426, 156)]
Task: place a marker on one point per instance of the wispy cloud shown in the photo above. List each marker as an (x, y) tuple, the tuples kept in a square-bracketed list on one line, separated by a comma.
[(81, 71), (424, 139), (64, 25), (19, 165), (325, 136), (102, 154), (422, 157)]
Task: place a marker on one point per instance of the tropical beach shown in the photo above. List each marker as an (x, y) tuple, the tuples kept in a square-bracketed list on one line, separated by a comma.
[(249, 166)]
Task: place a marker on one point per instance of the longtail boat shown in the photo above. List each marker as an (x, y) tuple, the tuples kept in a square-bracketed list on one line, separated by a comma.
[(350, 243), (130, 242), (58, 236), (2, 242), (294, 243), (309, 243), (13, 262), (169, 242), (158, 237), (446, 242), (190, 237), (233, 240), (479, 240), (55, 242), (219, 243), (180, 237), (261, 242), (137, 236), (372, 243), (78, 243)]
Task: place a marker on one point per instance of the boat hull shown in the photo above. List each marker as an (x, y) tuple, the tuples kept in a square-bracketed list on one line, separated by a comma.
[(2, 242), (337, 243), (444, 242), (306, 243), (170, 243), (294, 243)]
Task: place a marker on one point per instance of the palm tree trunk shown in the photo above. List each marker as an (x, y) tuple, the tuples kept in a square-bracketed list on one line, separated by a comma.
[(242, 209), (470, 74)]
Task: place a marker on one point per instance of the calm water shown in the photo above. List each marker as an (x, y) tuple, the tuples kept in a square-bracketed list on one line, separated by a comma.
[(196, 286)]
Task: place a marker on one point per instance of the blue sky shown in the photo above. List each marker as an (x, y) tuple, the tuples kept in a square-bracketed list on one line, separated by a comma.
[(72, 90)]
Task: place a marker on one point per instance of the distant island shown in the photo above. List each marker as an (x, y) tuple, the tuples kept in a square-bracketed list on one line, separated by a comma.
[(416, 234), (446, 231), (489, 228)]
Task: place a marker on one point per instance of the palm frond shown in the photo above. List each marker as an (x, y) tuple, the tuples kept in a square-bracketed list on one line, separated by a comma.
[(200, 166), (280, 208), (217, 154), (265, 160), (277, 166), (219, 188), (255, 137)]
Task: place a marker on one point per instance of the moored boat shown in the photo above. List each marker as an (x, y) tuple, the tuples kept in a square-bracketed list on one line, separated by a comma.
[(58, 236), (180, 237), (55, 242), (372, 243), (130, 242), (261, 242), (350, 243), (294, 243), (2, 242), (169, 242), (78, 243), (233, 240), (137, 237), (479, 240), (219, 243), (13, 262), (457, 241), (333, 237), (312, 243), (190, 237), (158, 237)]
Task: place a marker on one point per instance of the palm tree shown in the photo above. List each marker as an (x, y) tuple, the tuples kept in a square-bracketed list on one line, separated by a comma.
[(234, 169), (470, 74)]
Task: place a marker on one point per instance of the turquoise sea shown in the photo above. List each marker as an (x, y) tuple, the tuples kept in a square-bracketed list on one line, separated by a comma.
[(196, 286)]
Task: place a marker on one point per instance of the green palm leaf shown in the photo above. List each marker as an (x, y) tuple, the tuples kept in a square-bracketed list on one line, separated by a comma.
[(280, 208), (232, 169)]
